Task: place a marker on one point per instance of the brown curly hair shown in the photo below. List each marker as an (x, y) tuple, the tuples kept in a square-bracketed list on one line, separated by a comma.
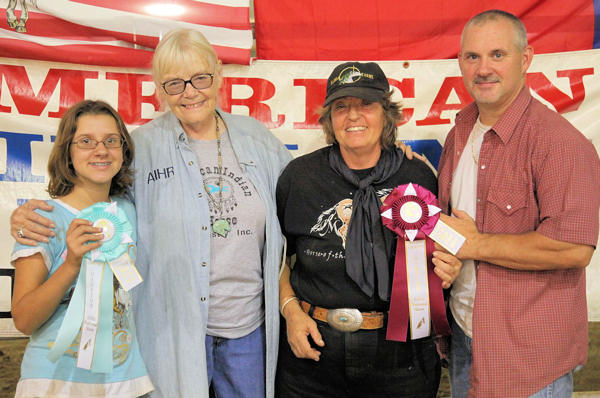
[(60, 167), (392, 112)]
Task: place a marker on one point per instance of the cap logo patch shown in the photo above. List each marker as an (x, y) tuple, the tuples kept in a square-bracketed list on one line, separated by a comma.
[(350, 75)]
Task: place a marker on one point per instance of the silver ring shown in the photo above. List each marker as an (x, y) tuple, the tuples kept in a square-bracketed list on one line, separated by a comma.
[(20, 233)]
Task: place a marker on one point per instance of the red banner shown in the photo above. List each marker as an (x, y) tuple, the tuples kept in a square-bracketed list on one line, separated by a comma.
[(399, 30)]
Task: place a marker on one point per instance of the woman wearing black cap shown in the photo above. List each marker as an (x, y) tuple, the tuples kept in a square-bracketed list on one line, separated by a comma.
[(336, 297)]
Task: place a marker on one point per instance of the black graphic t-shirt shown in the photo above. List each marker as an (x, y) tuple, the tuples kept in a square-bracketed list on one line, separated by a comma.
[(314, 206)]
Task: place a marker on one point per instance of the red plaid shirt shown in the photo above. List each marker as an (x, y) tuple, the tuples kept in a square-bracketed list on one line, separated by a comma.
[(536, 172)]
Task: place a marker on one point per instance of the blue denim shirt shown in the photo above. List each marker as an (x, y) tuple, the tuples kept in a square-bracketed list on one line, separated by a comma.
[(174, 248)]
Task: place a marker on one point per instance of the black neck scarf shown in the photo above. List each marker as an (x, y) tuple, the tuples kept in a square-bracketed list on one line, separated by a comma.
[(367, 247)]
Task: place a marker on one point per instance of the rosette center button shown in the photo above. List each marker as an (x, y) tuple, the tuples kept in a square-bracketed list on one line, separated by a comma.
[(411, 212), (108, 228)]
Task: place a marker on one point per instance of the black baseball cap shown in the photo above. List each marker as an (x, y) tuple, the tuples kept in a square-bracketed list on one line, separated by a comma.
[(356, 79)]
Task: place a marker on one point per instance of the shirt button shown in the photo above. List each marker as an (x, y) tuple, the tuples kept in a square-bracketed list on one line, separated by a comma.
[(508, 207), (202, 298), (204, 263), (191, 162), (478, 200), (483, 167), (199, 194), (204, 227)]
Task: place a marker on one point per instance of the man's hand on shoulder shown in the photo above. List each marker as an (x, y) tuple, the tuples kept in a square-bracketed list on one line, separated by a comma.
[(28, 227)]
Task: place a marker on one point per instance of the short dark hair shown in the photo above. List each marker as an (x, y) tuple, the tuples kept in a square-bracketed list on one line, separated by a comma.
[(392, 112), (60, 167)]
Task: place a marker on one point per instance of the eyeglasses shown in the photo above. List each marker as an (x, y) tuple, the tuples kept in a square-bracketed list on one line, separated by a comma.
[(199, 82), (90, 143)]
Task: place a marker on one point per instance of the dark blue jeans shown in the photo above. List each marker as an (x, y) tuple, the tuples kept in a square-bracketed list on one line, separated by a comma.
[(359, 364)]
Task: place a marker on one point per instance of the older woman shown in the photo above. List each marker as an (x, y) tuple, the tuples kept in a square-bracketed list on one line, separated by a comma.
[(346, 262), (210, 244)]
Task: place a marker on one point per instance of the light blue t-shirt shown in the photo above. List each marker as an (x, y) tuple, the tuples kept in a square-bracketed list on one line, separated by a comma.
[(41, 377)]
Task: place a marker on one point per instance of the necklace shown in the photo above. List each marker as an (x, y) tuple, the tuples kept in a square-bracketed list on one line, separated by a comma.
[(220, 226), (478, 131), (475, 157)]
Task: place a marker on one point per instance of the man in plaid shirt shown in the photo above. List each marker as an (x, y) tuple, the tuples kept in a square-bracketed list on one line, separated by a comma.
[(523, 186)]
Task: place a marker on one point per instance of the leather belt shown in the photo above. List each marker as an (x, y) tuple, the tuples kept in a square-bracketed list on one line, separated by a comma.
[(345, 319)]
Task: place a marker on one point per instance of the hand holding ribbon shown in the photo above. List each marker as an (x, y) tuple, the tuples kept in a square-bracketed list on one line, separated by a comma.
[(411, 212), (92, 302)]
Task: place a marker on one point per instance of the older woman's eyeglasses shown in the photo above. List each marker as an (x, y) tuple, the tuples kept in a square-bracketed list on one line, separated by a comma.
[(199, 82), (90, 143)]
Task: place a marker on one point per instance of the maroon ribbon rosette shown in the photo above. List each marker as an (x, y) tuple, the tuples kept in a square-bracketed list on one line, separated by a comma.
[(411, 212)]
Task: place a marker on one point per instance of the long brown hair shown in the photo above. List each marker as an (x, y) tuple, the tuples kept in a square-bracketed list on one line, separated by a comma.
[(60, 167)]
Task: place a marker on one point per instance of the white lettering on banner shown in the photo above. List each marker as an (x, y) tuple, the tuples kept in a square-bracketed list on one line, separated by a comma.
[(283, 95), (270, 94)]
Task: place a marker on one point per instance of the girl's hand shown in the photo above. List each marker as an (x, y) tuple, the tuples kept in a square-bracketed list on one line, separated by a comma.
[(81, 238)]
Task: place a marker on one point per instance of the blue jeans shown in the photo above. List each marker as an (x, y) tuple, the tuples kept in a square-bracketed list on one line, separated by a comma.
[(559, 388), (236, 367), (459, 367)]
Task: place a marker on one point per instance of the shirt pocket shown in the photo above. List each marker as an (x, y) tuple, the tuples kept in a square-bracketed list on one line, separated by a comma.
[(506, 211)]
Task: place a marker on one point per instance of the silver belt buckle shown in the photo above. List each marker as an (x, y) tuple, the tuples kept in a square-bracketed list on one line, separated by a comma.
[(345, 319)]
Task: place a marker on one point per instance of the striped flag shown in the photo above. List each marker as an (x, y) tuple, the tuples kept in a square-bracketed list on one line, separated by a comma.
[(120, 33)]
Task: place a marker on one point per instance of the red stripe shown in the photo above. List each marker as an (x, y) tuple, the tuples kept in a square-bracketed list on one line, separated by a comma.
[(399, 312), (195, 12), (232, 55), (92, 54), (103, 55), (437, 307)]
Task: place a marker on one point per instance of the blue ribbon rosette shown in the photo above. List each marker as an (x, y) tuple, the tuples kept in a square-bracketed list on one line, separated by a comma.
[(91, 305)]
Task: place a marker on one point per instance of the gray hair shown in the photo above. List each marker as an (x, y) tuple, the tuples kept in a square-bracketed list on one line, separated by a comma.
[(494, 15), (179, 46)]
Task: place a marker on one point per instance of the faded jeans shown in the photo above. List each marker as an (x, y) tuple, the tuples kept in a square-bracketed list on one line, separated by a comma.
[(559, 388), (236, 367)]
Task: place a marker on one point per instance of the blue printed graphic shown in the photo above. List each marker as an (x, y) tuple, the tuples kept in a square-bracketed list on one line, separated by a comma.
[(18, 157), (212, 188)]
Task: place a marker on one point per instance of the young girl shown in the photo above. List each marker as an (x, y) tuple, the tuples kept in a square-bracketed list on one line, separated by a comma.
[(89, 163)]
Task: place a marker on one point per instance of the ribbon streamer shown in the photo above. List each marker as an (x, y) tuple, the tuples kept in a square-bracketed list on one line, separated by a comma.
[(411, 212), (91, 305)]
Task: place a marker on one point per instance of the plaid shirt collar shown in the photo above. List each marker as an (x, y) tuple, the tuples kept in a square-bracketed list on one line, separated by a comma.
[(506, 125)]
